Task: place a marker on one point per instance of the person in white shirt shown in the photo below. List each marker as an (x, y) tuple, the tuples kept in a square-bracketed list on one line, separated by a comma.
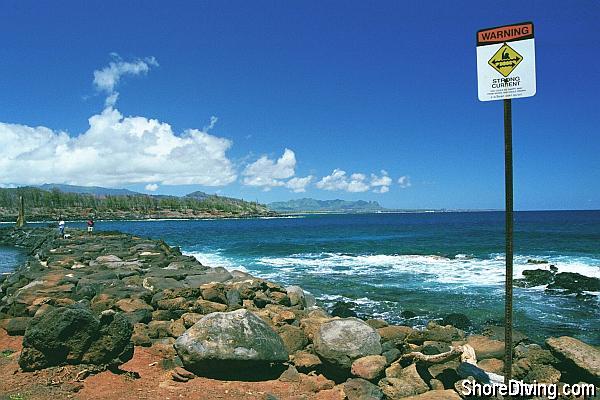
[(61, 227)]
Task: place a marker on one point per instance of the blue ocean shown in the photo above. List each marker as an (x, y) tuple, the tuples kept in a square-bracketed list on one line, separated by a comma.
[(429, 263)]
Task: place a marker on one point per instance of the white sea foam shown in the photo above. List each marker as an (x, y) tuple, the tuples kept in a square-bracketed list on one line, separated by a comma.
[(214, 259), (459, 270)]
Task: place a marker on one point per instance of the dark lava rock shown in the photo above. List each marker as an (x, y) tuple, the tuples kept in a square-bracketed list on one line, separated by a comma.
[(460, 321), (235, 344), (73, 335), (535, 277), (575, 283), (407, 314), (343, 309), (531, 261)]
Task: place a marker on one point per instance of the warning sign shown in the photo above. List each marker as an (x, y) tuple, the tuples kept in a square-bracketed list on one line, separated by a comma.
[(506, 62)]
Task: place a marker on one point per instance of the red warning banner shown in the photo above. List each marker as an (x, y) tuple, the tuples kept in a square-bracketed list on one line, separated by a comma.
[(506, 33)]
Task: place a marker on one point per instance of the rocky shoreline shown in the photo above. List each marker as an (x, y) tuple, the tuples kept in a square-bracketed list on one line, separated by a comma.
[(90, 301), (81, 214)]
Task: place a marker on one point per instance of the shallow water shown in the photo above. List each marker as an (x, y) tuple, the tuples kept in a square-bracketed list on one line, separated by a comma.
[(430, 263), (9, 258)]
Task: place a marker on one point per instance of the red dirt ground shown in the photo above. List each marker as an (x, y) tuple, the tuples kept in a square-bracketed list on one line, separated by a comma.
[(154, 382)]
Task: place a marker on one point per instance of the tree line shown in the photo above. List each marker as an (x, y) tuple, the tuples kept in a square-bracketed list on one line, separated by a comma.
[(57, 200)]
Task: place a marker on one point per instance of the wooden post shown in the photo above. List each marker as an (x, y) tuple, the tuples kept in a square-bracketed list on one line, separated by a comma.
[(21, 217), (508, 299)]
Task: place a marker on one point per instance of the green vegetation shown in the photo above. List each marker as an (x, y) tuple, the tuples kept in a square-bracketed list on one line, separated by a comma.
[(7, 353), (49, 205)]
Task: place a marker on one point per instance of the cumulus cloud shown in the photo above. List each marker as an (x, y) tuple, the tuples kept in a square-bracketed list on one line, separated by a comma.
[(338, 180), (114, 150), (381, 184), (298, 185), (404, 182), (355, 183), (268, 173)]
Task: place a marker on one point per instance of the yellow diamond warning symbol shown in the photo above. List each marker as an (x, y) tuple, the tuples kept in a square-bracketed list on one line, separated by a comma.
[(505, 60)]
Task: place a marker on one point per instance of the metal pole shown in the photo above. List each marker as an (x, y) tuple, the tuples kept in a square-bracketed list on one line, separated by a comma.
[(508, 176)]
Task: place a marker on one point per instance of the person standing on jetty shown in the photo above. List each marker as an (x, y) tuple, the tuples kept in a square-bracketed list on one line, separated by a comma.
[(90, 225), (61, 227)]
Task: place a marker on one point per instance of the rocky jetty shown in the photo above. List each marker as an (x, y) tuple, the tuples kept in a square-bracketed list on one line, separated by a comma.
[(89, 299)]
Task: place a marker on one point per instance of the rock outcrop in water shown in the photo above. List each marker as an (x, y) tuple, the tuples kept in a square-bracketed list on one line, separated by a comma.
[(563, 282), (89, 298)]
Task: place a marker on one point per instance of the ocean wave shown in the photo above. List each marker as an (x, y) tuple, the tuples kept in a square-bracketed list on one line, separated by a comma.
[(463, 269), (215, 259)]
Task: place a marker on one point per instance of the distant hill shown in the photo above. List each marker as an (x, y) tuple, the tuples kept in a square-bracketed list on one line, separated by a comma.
[(95, 190), (313, 205), (79, 202)]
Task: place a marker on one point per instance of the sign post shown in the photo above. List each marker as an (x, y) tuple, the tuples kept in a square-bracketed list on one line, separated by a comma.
[(506, 70)]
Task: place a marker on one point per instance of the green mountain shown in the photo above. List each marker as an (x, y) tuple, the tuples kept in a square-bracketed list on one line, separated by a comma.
[(313, 205), (95, 190), (43, 204)]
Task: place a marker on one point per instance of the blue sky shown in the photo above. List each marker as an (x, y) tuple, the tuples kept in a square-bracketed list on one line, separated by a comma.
[(358, 87)]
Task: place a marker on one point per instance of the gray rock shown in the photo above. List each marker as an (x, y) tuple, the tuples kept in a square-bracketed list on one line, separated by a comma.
[(341, 341), (225, 342), (233, 298), (211, 275), (361, 389), (296, 295)]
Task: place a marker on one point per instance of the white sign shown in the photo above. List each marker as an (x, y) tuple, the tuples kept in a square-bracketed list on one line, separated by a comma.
[(506, 62)]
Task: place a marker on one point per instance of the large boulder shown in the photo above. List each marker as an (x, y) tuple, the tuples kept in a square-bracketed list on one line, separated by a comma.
[(341, 341), (73, 335), (228, 342), (583, 359)]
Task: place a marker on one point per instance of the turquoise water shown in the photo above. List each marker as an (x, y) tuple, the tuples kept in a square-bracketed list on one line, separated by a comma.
[(429, 263)]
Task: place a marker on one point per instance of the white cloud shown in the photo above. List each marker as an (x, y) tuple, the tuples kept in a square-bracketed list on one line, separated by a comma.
[(298, 185), (404, 182), (107, 78), (213, 122), (268, 173), (355, 183), (381, 184), (338, 180), (115, 150)]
